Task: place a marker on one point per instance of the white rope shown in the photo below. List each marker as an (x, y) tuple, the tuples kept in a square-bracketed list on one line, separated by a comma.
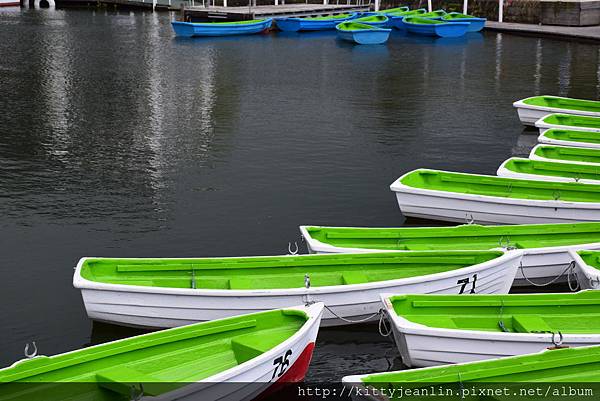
[(352, 321), (568, 271)]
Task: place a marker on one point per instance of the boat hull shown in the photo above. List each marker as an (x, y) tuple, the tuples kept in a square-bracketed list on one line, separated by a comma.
[(446, 30), (423, 346), (535, 156), (303, 24), (189, 29), (155, 307), (544, 126), (529, 114), (545, 139), (503, 171), (540, 265), (461, 207), (365, 37), (475, 24)]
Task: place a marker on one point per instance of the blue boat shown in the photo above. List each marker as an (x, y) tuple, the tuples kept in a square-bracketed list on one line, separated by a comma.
[(397, 17), (431, 27), (190, 29), (476, 24), (295, 24), (362, 34), (380, 21)]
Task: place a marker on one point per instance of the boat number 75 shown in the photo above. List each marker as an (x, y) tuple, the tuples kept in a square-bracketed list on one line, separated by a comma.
[(465, 281), (281, 363)]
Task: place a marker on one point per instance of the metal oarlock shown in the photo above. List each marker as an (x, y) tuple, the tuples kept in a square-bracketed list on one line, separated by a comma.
[(290, 251), (31, 354)]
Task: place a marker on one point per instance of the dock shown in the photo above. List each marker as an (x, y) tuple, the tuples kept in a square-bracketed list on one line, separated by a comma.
[(588, 33), (200, 13)]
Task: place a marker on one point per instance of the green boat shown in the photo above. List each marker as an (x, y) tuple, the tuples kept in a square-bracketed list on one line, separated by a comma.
[(451, 196), (568, 122), (533, 108), (395, 10), (568, 365), (374, 20), (490, 326), (566, 154), (517, 167), (239, 349), (584, 139), (157, 292), (546, 246)]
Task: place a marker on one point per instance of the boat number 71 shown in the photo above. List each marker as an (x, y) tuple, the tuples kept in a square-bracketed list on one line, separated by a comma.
[(281, 363), (465, 281)]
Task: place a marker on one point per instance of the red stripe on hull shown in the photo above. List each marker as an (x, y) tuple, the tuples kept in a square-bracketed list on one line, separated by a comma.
[(294, 374), (9, 4)]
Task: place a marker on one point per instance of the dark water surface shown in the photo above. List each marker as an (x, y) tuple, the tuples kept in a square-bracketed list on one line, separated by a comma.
[(118, 139)]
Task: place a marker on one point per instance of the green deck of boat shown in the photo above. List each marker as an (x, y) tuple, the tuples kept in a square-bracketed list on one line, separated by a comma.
[(327, 17), (421, 20), (569, 154), (573, 136), (573, 121), (519, 313), (434, 14), (501, 187), (395, 10), (372, 19), (468, 237), (354, 26), (168, 358), (574, 365), (407, 13), (272, 272), (591, 258), (457, 16), (544, 168), (564, 103)]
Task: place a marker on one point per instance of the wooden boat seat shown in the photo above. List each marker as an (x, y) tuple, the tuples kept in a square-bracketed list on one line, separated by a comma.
[(530, 324), (123, 380)]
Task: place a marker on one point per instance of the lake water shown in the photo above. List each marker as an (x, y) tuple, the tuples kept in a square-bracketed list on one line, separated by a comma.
[(118, 139)]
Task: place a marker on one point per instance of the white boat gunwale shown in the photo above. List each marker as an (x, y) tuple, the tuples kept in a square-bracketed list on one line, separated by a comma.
[(85, 284), (544, 126)]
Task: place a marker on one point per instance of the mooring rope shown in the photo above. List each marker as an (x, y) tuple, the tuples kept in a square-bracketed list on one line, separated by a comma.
[(568, 272), (349, 320)]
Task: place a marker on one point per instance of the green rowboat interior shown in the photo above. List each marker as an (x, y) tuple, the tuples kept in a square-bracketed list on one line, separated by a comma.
[(573, 121), (372, 19), (354, 26), (168, 358), (573, 136), (327, 17), (467, 237), (574, 365), (515, 313), (407, 13), (434, 14), (273, 272), (454, 16), (564, 103), (501, 187), (569, 154), (591, 258), (420, 20), (565, 170)]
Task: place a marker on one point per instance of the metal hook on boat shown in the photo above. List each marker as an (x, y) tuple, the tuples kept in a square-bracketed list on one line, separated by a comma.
[(295, 251), (560, 339), (31, 354), (505, 240), (306, 281), (469, 219), (595, 282)]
